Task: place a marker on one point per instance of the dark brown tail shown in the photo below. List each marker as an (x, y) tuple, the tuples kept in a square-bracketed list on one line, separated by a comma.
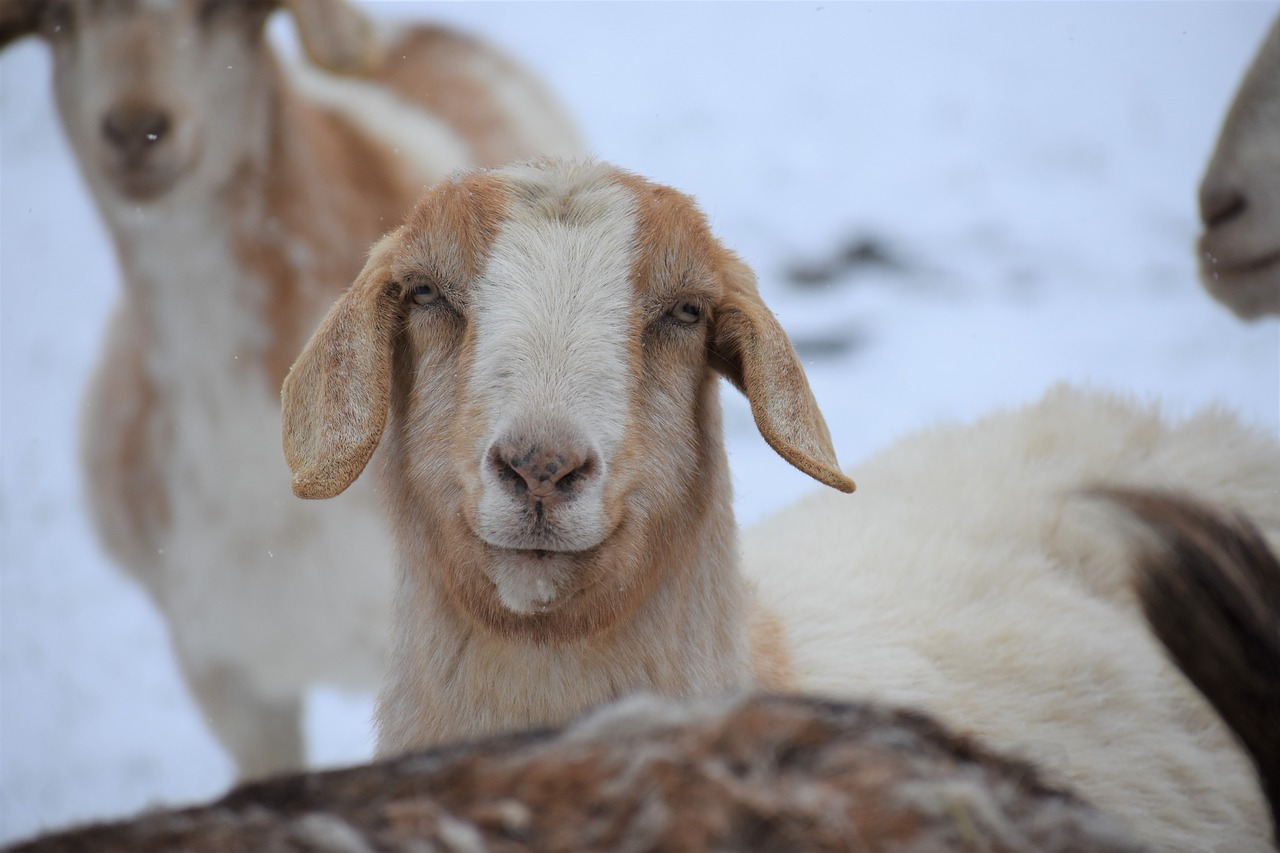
[(1210, 588)]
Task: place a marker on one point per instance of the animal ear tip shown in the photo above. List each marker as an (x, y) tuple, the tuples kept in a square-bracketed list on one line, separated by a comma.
[(831, 476), (310, 487)]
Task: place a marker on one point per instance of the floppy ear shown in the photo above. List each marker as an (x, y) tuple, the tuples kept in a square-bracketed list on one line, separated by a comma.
[(750, 348), (336, 36), (336, 395), (18, 18)]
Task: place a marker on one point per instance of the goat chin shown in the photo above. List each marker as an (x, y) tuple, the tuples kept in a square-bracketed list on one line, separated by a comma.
[(530, 581), (971, 582)]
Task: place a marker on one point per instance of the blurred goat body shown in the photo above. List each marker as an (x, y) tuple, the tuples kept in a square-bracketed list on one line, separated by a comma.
[(241, 195), (1240, 194), (975, 582)]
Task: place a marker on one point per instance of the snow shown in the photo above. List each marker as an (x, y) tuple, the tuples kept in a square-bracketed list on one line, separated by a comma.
[(1026, 171)]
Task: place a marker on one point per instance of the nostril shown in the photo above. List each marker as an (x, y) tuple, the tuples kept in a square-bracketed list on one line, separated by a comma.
[(133, 128), (1220, 206), (507, 473), (578, 476)]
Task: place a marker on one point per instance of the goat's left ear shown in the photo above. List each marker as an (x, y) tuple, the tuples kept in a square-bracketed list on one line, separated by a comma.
[(336, 36), (750, 348), (336, 397)]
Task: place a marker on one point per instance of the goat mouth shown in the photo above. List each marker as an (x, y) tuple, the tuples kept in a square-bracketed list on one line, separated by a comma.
[(535, 553), (142, 185), (1216, 268)]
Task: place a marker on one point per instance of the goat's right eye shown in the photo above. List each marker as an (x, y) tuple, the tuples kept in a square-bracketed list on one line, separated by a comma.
[(424, 293)]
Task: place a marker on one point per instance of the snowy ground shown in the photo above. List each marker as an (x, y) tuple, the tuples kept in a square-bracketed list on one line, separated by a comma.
[(1027, 173)]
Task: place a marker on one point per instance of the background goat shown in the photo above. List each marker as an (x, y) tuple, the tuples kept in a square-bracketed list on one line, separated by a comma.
[(240, 195), (540, 346), (1240, 194)]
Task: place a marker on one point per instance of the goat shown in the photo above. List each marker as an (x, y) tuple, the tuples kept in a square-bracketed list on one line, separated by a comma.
[(536, 350), (241, 193), (1240, 194)]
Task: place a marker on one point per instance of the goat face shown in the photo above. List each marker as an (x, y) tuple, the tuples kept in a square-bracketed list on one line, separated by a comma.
[(159, 93), (545, 340), (1240, 195)]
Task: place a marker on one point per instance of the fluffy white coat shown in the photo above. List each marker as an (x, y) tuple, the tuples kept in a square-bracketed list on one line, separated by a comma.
[(970, 578)]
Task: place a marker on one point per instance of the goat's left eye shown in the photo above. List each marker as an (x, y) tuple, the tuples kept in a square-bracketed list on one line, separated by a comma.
[(424, 293), (686, 312)]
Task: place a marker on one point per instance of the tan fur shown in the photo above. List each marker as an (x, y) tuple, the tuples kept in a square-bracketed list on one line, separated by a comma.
[(324, 144), (770, 654), (436, 68), (748, 345), (658, 605)]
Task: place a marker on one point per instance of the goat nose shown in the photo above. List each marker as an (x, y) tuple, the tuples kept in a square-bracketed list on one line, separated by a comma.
[(547, 474), (132, 129), (1219, 205)]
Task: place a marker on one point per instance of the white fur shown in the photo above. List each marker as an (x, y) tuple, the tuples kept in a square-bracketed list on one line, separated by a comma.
[(970, 579), (551, 336), (221, 557)]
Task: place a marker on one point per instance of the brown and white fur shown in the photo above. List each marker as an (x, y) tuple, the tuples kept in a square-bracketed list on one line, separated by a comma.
[(537, 349), (241, 194), (1209, 585), (1240, 194)]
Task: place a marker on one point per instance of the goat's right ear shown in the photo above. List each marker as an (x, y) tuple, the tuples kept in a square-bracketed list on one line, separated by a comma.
[(337, 393), (753, 352), (18, 18), (336, 36)]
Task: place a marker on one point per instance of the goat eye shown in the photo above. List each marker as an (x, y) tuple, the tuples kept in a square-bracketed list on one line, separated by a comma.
[(686, 312), (424, 294)]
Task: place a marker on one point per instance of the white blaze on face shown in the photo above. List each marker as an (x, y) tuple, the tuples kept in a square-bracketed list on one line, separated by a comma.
[(552, 317)]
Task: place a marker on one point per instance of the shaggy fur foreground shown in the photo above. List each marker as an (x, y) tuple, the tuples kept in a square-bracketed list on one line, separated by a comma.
[(762, 773)]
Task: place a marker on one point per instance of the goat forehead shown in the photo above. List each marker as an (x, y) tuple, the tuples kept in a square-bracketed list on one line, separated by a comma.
[(553, 306)]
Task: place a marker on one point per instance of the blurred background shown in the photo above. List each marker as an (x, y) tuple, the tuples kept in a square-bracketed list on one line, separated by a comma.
[(950, 207)]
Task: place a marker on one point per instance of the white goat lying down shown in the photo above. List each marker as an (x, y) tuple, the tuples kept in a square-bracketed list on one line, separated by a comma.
[(1240, 194), (241, 197), (537, 350)]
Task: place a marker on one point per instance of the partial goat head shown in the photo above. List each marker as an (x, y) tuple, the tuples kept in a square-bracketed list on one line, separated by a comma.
[(154, 93), (542, 344), (1240, 195)]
